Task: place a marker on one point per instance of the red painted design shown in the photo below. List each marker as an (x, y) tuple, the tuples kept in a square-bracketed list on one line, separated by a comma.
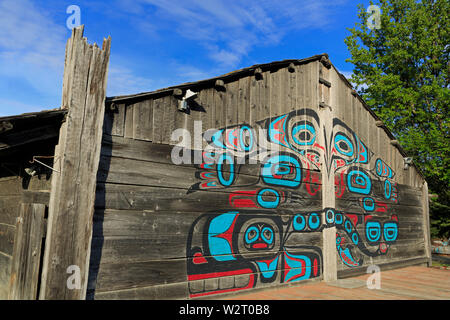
[(244, 202), (250, 284), (198, 258), (353, 218), (315, 267)]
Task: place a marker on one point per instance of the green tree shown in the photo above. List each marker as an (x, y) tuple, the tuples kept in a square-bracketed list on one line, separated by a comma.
[(402, 71)]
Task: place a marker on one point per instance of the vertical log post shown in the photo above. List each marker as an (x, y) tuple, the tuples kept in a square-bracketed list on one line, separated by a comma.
[(27, 252), (327, 97), (426, 222), (71, 207)]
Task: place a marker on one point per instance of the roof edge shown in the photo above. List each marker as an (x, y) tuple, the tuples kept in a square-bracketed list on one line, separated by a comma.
[(226, 76)]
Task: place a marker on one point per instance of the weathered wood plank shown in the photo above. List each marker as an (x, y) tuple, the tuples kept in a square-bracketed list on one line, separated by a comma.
[(7, 233), (137, 172), (118, 121), (153, 273), (169, 291), (9, 209), (71, 205), (5, 273), (15, 139), (143, 120), (27, 252), (129, 121), (127, 197), (158, 114), (42, 197), (168, 118)]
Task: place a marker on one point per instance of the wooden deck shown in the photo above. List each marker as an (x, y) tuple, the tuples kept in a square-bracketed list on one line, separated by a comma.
[(410, 283)]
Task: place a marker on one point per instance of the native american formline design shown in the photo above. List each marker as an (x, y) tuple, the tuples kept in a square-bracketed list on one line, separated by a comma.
[(266, 236)]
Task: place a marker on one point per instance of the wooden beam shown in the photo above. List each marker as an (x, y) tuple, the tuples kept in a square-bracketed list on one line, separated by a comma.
[(5, 126), (324, 105), (326, 62), (27, 252), (42, 197), (15, 139), (219, 85), (77, 156), (177, 92), (291, 67), (258, 74), (325, 82)]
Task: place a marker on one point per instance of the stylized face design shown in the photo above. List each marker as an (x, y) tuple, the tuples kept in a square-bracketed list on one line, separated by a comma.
[(251, 246), (381, 232), (259, 236), (345, 147), (296, 131)]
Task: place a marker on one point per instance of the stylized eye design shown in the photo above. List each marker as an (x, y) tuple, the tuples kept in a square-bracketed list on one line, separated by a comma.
[(390, 231), (267, 235), (373, 231), (313, 221), (303, 133), (251, 235), (299, 223), (259, 236), (343, 145)]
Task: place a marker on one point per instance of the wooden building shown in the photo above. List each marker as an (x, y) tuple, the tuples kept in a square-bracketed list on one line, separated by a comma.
[(278, 174)]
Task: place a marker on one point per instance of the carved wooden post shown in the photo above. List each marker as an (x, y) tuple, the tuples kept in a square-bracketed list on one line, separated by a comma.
[(77, 156), (327, 100)]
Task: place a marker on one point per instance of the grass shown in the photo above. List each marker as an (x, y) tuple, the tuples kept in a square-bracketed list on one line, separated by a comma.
[(439, 264)]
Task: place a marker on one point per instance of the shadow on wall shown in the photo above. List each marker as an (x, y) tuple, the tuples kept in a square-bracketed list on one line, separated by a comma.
[(99, 213)]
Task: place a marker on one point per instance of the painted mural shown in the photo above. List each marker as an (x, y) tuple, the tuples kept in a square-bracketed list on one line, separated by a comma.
[(272, 234)]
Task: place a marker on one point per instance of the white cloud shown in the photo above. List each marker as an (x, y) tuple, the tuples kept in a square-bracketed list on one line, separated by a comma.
[(122, 81), (29, 36), (31, 49), (230, 29)]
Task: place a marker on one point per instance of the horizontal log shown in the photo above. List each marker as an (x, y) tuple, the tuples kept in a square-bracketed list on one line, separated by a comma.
[(42, 197), (128, 197), (167, 246), (145, 173), (145, 274), (161, 292)]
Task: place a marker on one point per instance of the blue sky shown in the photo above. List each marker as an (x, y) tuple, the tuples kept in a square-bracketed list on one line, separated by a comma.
[(159, 43)]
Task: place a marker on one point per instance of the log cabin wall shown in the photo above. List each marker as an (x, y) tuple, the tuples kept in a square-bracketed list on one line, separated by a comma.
[(12, 192), (29, 135), (163, 230)]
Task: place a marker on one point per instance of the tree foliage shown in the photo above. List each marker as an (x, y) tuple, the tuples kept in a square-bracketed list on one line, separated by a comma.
[(402, 72)]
